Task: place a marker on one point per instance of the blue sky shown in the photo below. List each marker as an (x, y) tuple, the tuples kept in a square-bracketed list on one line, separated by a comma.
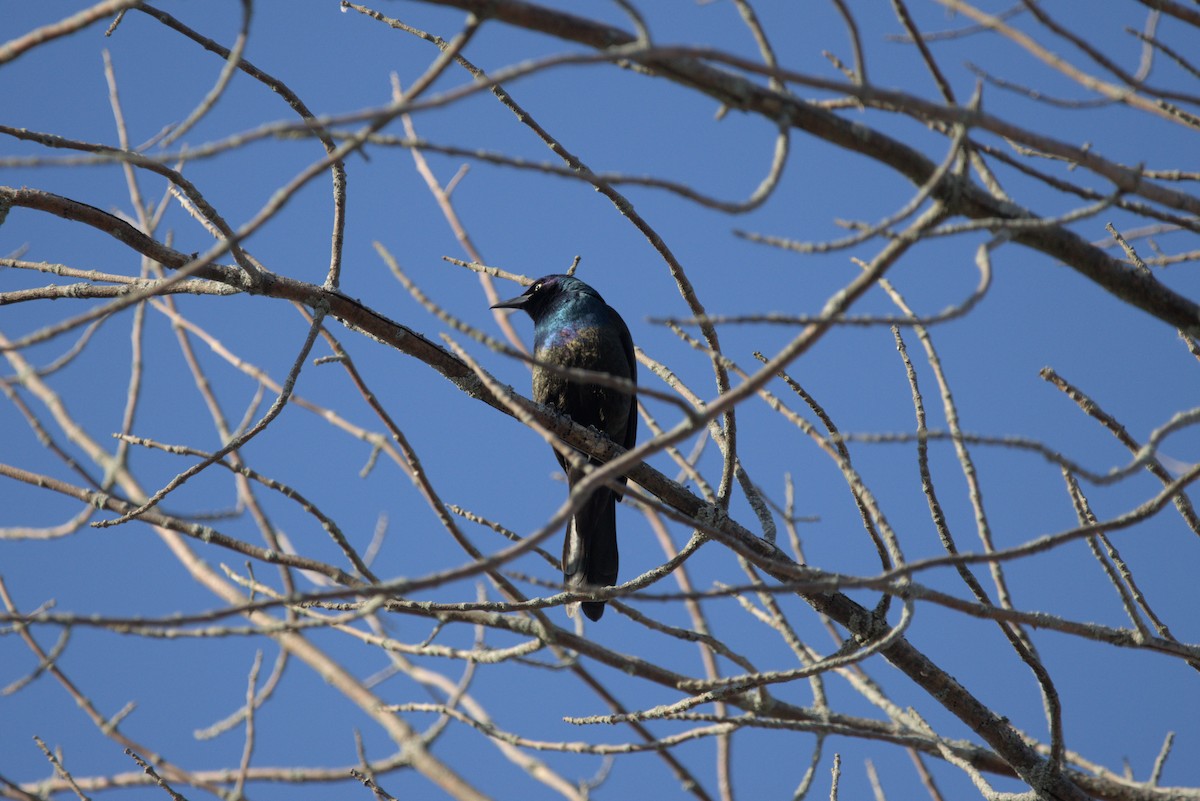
[(1119, 703)]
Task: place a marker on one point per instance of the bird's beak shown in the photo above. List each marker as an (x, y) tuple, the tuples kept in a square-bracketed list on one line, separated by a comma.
[(513, 303)]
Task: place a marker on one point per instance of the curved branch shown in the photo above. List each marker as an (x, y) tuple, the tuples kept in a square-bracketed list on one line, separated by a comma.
[(960, 195)]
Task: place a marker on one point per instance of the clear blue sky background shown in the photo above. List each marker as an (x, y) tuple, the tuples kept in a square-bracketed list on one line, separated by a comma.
[(1119, 704)]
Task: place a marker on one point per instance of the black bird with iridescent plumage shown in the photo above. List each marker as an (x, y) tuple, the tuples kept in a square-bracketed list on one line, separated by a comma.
[(574, 327)]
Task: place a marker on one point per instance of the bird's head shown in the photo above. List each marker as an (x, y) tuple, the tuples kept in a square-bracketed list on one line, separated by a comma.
[(542, 294)]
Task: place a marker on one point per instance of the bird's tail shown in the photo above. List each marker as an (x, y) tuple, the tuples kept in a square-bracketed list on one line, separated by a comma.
[(590, 548)]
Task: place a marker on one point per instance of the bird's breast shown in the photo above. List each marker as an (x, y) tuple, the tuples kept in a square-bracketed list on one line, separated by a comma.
[(580, 346)]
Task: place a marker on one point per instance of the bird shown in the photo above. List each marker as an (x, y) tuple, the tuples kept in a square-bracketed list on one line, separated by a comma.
[(573, 327)]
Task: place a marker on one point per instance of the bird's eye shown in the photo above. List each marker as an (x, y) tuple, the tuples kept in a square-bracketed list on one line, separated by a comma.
[(536, 287)]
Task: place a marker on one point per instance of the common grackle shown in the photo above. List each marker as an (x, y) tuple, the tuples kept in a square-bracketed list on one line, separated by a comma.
[(574, 327)]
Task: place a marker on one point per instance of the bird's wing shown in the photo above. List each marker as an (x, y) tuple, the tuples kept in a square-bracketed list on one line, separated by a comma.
[(631, 359)]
